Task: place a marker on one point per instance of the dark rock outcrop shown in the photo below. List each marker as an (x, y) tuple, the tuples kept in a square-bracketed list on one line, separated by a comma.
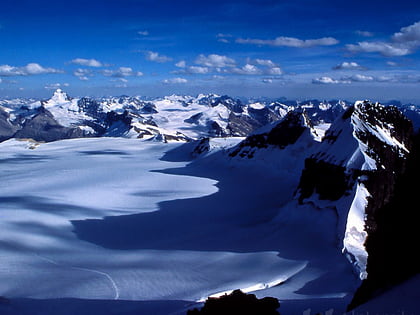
[(7, 129), (284, 133), (328, 180), (43, 127), (238, 303), (392, 213)]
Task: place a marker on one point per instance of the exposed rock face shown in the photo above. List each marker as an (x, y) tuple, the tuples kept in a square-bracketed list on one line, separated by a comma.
[(202, 147), (391, 212), (284, 133), (7, 129), (364, 168), (91, 107), (238, 303), (43, 127), (328, 181)]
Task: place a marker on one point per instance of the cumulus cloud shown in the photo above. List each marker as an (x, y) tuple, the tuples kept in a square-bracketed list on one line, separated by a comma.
[(215, 61), (197, 70), (385, 49), (192, 70), (247, 69), (265, 62), (402, 43), (83, 74), (274, 71), (156, 57), (409, 34), (348, 66), (29, 69), (290, 42), (360, 78), (267, 81), (87, 62), (181, 64), (175, 81), (143, 33), (122, 72), (329, 80)]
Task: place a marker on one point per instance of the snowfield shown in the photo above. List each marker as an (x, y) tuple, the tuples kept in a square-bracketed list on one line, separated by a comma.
[(87, 222)]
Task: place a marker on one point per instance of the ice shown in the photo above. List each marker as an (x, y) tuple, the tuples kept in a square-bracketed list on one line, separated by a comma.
[(355, 235), (119, 219)]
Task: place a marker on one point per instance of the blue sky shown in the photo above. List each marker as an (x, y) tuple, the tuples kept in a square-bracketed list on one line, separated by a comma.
[(297, 49)]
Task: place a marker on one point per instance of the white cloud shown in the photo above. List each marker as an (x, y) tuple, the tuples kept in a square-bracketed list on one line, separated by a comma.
[(274, 71), (122, 72), (223, 38), (267, 81), (265, 62), (290, 42), (192, 70), (365, 33), (215, 61), (87, 62), (181, 64), (123, 80), (52, 86), (156, 57), (29, 69), (143, 33), (197, 70), (409, 34), (392, 63), (175, 81), (55, 86), (360, 78), (385, 49), (329, 80), (402, 43), (247, 69), (83, 74), (348, 66)]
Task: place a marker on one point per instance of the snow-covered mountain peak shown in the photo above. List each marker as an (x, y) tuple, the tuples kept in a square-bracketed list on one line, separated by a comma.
[(59, 98), (377, 127)]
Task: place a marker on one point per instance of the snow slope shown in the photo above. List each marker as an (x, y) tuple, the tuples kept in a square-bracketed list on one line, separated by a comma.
[(120, 219)]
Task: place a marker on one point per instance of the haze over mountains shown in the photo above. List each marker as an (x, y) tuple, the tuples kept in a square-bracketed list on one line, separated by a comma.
[(175, 199)]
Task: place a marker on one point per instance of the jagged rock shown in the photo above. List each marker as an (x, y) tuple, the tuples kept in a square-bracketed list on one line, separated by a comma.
[(391, 215), (328, 181), (238, 303), (7, 129), (202, 147), (43, 127), (284, 133)]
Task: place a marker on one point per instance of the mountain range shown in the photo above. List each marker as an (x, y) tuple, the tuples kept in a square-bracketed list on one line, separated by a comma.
[(354, 164)]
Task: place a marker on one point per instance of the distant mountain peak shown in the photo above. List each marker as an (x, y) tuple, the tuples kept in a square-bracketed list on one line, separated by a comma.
[(59, 98)]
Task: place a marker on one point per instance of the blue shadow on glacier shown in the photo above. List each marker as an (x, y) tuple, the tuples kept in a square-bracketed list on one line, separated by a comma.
[(237, 218)]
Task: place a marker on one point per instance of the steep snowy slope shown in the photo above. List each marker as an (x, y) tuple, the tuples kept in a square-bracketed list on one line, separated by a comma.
[(352, 172)]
